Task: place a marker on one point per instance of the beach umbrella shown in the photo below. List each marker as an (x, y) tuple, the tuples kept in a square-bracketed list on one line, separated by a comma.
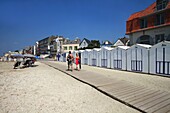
[(29, 56), (17, 56)]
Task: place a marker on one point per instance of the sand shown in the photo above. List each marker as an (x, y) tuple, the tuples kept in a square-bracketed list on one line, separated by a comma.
[(42, 89)]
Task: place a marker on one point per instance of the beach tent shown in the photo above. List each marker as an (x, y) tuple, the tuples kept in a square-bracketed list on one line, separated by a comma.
[(86, 55), (138, 58), (120, 57), (95, 57), (106, 57), (160, 58)]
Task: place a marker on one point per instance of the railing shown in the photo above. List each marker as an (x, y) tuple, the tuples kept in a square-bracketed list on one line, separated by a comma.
[(163, 67), (94, 62), (86, 61), (118, 64), (136, 65), (104, 62)]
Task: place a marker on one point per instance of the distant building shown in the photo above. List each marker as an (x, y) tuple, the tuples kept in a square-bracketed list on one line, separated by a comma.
[(44, 45), (87, 44), (151, 25), (84, 43), (71, 45), (122, 42), (106, 44)]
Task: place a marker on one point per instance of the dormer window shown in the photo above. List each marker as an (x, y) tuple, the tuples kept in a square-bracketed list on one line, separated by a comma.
[(143, 23), (161, 4)]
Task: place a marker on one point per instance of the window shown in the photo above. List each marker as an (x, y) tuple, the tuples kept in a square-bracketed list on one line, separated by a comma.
[(161, 4), (75, 47), (65, 48), (160, 19), (70, 47), (159, 38), (143, 23)]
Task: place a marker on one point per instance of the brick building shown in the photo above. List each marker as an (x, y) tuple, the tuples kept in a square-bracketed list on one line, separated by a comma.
[(151, 25)]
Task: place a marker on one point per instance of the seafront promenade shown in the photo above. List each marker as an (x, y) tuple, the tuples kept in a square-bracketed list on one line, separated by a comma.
[(48, 87), (143, 92)]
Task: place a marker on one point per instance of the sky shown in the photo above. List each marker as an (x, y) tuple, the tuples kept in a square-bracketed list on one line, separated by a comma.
[(23, 22)]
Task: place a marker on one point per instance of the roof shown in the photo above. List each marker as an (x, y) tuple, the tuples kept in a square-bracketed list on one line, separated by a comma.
[(106, 42), (123, 47), (144, 45), (124, 40), (97, 49), (163, 43), (149, 10), (88, 41), (108, 48)]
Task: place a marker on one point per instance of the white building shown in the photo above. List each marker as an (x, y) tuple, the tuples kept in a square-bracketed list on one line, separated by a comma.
[(120, 58), (95, 57), (160, 58), (138, 58)]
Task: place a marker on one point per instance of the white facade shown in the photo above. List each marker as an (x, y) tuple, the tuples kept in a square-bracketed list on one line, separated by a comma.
[(160, 58), (105, 57), (120, 58), (138, 58), (95, 57), (151, 33), (63, 57)]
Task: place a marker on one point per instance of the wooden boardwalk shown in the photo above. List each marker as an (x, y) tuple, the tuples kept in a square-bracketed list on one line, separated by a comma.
[(141, 98)]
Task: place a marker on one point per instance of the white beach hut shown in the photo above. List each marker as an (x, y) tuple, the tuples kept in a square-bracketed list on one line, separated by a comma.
[(138, 58), (160, 58), (120, 57), (63, 57), (95, 57), (86, 55), (106, 57)]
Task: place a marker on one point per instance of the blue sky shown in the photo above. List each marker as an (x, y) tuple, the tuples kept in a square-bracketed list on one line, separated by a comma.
[(23, 22)]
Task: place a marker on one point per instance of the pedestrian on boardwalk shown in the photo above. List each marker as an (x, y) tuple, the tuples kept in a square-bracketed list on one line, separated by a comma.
[(70, 60), (77, 61)]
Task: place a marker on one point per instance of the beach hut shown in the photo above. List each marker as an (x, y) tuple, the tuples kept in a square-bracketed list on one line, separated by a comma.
[(63, 57), (160, 58), (120, 57), (138, 58), (106, 57), (86, 55), (95, 57)]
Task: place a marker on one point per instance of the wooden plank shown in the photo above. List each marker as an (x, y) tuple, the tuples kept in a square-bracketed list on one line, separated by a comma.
[(134, 94), (165, 109), (130, 88), (160, 107), (139, 95), (153, 103), (130, 92), (135, 101), (113, 86)]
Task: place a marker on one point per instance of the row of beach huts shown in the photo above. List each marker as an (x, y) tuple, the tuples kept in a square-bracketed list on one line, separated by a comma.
[(137, 58)]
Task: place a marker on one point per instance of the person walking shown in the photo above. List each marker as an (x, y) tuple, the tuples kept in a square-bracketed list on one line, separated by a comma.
[(77, 61), (70, 60)]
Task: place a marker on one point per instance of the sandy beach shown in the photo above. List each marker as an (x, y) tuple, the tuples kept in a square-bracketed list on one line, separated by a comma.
[(42, 89)]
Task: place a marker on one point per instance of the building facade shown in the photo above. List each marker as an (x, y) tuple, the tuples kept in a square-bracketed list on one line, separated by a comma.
[(70, 45), (150, 26)]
